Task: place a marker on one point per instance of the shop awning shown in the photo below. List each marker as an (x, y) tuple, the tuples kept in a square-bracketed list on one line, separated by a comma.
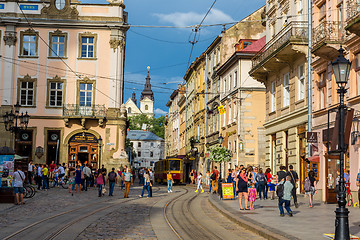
[(314, 159)]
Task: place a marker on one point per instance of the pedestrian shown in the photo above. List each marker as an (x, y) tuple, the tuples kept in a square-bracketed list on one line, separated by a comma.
[(261, 181), (71, 182), (199, 183), (78, 179), (285, 196), (151, 175), (250, 174), (191, 176), (229, 177), (112, 178), (61, 170), (272, 186), (87, 175), (30, 171), (52, 167), (103, 170), (100, 182), (45, 178), (215, 177), (147, 184), (19, 178), (256, 171), (195, 176), (207, 178), (252, 195), (268, 181), (358, 184), (128, 179), (242, 188), (169, 180), (294, 180), (310, 187), (281, 174), (38, 176), (141, 176)]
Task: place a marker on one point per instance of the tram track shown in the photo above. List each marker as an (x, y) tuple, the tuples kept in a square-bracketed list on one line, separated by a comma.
[(60, 230), (186, 222)]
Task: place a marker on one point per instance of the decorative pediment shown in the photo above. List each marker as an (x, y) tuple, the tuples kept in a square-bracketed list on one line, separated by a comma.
[(30, 31), (56, 78), (27, 77), (58, 31), (67, 11)]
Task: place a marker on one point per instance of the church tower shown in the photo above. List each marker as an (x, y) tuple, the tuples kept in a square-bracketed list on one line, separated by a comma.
[(147, 97)]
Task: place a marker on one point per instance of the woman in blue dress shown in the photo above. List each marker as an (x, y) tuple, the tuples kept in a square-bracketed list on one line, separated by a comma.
[(78, 178)]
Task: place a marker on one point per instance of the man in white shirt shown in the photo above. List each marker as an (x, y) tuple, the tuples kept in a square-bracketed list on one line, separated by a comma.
[(30, 171), (87, 174), (18, 179), (38, 177)]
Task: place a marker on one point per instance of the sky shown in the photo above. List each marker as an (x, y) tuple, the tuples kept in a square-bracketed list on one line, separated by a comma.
[(167, 50)]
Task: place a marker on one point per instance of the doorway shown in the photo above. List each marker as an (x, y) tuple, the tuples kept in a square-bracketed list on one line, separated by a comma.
[(83, 158)]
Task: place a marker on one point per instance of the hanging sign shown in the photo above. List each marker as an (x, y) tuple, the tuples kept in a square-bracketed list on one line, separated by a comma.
[(221, 109), (311, 137)]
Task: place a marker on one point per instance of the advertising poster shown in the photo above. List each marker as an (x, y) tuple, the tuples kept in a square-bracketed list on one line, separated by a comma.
[(228, 191), (6, 169)]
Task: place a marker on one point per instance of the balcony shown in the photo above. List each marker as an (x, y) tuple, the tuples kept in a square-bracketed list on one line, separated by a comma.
[(353, 17), (327, 37), (283, 48), (71, 111)]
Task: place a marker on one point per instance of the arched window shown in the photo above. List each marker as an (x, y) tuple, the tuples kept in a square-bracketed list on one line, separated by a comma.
[(146, 107), (129, 110)]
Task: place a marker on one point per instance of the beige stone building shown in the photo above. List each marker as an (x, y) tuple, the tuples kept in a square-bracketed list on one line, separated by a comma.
[(282, 66)]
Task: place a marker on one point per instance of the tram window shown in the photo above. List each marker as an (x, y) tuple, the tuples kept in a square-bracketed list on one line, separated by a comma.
[(174, 165)]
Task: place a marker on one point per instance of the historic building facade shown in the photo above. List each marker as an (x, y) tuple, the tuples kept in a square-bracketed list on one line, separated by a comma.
[(66, 70), (282, 65), (331, 20)]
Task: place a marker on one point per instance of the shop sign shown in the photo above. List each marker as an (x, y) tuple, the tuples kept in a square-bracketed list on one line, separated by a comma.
[(84, 138), (311, 137), (29, 7), (227, 191)]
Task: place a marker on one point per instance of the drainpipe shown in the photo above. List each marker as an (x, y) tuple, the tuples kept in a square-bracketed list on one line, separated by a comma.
[(309, 74), (206, 113)]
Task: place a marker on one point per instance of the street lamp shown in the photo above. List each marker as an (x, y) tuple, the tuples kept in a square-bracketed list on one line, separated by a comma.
[(11, 121), (100, 144), (341, 68), (220, 139)]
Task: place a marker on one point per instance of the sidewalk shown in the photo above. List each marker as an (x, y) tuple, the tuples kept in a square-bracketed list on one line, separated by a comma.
[(307, 223)]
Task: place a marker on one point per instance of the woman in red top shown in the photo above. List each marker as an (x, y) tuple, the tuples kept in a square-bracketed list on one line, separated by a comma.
[(268, 178)]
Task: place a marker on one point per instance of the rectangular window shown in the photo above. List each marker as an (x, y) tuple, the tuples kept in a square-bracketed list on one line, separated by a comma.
[(322, 90), (87, 47), (225, 86), (235, 112), (235, 79), (27, 90), (151, 154), (301, 75), (139, 144), (86, 91), (29, 45), (273, 96), (139, 154), (230, 80), (286, 90), (230, 112), (57, 45), (55, 94)]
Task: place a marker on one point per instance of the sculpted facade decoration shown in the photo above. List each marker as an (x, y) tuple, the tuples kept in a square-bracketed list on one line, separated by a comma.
[(115, 43), (66, 12), (10, 39)]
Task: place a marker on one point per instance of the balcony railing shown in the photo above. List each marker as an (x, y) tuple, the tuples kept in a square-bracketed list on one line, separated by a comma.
[(75, 110), (296, 31), (353, 9), (328, 32)]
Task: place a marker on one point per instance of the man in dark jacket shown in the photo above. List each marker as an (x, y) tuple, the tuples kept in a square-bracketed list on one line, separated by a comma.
[(294, 179)]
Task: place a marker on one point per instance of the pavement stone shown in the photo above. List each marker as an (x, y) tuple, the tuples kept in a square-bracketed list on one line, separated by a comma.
[(307, 223)]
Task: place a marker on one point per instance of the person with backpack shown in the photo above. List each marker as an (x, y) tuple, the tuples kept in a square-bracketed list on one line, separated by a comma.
[(261, 181), (112, 178), (294, 179), (214, 177), (310, 187), (283, 191), (281, 174), (18, 179)]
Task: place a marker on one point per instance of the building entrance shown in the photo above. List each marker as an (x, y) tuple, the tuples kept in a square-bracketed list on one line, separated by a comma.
[(84, 149)]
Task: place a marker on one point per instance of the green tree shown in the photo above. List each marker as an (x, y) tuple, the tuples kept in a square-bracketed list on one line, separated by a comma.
[(155, 125)]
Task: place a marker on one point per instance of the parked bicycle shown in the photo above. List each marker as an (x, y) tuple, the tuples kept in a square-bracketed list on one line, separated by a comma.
[(63, 182), (29, 191)]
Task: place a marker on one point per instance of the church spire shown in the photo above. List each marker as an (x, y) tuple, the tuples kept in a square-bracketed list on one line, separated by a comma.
[(147, 92), (134, 98)]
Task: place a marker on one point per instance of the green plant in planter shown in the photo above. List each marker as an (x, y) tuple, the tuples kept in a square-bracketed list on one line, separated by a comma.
[(220, 154)]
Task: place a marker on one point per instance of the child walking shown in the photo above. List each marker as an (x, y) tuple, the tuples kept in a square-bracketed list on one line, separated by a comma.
[(252, 196), (71, 182), (199, 179)]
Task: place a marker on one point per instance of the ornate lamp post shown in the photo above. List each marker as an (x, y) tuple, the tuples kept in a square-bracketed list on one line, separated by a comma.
[(341, 68), (12, 124), (220, 139), (100, 141)]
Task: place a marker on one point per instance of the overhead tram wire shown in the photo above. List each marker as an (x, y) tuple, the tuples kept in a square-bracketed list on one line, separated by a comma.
[(37, 34)]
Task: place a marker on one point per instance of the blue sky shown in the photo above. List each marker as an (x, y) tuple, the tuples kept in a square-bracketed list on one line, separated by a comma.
[(167, 50)]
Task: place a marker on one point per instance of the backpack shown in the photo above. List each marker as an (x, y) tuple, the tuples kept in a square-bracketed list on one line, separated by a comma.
[(280, 190), (213, 176), (112, 176), (307, 184)]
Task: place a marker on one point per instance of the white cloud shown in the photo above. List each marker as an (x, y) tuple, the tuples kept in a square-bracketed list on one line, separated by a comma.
[(192, 18), (159, 111)]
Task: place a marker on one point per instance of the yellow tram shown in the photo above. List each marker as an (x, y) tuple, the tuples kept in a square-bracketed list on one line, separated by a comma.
[(174, 165)]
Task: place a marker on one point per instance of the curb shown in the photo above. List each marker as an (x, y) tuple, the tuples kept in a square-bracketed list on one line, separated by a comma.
[(249, 224)]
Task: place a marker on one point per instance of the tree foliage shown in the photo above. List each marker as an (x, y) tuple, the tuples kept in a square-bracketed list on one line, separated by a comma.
[(220, 154), (154, 125)]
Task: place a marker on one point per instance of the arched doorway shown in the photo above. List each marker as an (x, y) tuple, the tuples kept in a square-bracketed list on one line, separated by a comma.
[(84, 148)]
